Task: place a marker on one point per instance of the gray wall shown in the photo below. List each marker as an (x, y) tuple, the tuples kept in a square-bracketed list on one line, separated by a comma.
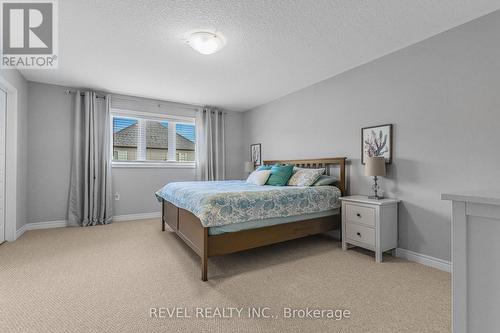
[(137, 186), (443, 97), (49, 149), (18, 81), (236, 151), (49, 152)]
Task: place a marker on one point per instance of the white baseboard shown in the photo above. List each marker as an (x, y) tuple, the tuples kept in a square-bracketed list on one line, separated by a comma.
[(40, 225), (64, 223), (142, 216), (21, 231), (424, 259)]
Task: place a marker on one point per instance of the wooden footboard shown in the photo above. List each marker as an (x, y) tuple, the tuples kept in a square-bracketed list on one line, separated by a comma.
[(189, 228)]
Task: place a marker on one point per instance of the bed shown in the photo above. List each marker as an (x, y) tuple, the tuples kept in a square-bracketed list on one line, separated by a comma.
[(217, 218)]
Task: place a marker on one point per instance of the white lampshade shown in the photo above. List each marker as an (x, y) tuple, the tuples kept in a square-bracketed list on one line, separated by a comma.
[(249, 167), (375, 166)]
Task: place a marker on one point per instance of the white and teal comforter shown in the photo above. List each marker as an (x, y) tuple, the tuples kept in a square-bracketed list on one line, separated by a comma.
[(219, 203)]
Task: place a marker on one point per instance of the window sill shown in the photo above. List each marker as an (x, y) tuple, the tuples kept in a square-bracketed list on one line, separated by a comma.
[(166, 165)]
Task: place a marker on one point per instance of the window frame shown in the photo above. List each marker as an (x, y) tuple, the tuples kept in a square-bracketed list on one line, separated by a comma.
[(123, 113)]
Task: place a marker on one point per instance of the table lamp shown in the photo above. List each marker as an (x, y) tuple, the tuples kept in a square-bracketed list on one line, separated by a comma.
[(249, 167), (375, 167)]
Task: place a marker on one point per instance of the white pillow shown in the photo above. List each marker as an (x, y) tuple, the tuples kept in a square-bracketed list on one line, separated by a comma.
[(258, 177)]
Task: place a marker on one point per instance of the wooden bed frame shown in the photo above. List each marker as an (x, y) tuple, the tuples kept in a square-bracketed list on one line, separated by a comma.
[(189, 228)]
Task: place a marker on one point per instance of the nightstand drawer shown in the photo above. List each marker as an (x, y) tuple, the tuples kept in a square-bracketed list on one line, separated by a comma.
[(360, 233), (359, 214)]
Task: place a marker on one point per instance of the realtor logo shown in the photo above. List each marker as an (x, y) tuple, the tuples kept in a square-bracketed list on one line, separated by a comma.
[(29, 34)]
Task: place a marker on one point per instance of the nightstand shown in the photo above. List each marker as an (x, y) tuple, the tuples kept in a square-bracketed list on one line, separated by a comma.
[(369, 223)]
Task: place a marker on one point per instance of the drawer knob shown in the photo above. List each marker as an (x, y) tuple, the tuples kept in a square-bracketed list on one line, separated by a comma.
[(359, 234), (358, 215)]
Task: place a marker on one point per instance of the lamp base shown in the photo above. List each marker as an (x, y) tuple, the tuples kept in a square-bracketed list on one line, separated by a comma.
[(375, 190)]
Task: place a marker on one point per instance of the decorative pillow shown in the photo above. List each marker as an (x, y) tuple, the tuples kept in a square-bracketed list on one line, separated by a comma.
[(324, 180), (259, 177), (264, 167), (280, 175), (305, 177)]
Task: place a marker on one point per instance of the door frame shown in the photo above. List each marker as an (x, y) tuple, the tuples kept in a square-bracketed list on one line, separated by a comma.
[(10, 160)]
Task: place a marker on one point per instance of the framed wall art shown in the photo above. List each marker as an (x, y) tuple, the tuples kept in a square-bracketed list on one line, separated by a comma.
[(256, 154), (377, 141)]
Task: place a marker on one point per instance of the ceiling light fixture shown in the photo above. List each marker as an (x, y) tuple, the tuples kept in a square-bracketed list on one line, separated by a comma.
[(206, 42)]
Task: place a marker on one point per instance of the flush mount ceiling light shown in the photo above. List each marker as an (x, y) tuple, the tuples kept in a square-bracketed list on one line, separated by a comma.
[(206, 42)]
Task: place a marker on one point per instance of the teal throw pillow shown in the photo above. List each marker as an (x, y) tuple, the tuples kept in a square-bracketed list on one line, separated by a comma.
[(280, 174), (264, 167)]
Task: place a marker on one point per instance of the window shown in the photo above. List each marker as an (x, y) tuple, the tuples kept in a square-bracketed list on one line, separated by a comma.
[(185, 139), (139, 138)]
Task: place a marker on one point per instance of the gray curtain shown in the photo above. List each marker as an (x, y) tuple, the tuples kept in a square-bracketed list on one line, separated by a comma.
[(211, 146), (90, 198)]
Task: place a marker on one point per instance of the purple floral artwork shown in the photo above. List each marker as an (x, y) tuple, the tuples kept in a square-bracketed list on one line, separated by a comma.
[(375, 145), (376, 141)]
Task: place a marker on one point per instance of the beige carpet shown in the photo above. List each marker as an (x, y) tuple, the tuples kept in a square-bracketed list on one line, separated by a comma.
[(106, 279)]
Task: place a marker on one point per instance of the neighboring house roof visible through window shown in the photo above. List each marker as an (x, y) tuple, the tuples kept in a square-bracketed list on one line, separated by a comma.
[(156, 137)]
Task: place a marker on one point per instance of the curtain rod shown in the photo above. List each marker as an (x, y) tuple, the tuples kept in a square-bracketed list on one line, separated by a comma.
[(218, 110), (68, 91)]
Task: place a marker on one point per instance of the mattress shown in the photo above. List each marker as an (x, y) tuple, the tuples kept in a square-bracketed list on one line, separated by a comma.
[(220, 203), (268, 222)]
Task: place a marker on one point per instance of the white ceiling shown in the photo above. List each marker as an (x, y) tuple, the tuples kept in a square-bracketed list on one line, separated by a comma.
[(274, 47)]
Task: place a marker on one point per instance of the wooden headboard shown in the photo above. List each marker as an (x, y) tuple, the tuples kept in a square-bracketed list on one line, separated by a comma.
[(319, 163)]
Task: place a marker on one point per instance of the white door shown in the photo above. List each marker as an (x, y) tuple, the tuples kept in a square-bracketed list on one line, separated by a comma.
[(3, 111)]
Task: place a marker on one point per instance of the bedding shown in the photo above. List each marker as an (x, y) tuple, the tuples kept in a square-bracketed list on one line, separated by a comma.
[(218, 203)]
